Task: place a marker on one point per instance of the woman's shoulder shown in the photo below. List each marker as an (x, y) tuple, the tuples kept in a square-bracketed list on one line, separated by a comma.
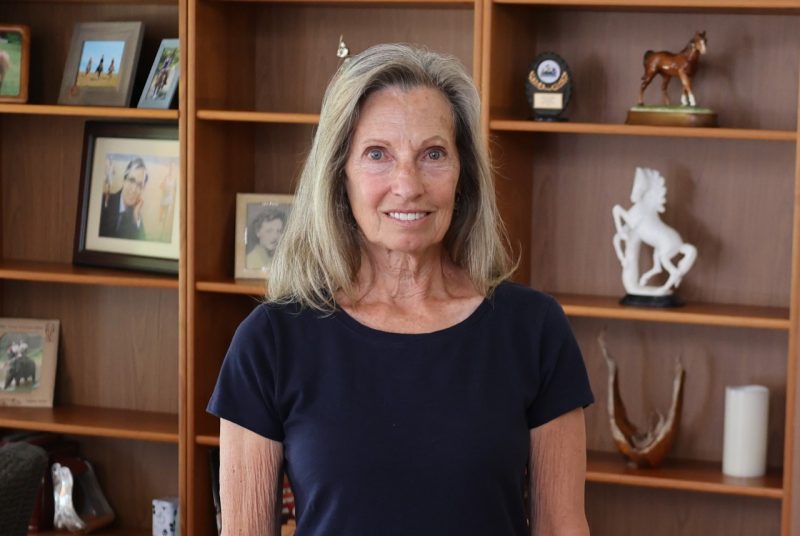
[(518, 296)]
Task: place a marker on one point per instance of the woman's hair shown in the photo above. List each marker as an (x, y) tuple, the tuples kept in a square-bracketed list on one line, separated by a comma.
[(320, 253)]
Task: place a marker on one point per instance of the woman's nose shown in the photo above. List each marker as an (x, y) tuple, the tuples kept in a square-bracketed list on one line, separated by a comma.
[(407, 181)]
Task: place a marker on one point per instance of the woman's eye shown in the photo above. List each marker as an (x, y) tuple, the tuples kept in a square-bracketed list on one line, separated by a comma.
[(435, 154), (375, 154)]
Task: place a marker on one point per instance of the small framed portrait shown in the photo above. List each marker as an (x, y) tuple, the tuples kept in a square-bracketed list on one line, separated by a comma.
[(260, 222), (101, 63), (159, 90), (28, 354), (129, 205), (14, 61)]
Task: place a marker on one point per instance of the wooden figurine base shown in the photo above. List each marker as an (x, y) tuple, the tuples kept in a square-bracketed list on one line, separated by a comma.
[(651, 301), (672, 116)]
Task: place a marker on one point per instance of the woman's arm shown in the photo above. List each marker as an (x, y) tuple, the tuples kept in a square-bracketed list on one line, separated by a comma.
[(558, 472), (249, 482)]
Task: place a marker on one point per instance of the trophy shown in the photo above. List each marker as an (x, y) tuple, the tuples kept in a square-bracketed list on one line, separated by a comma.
[(342, 52), (682, 65), (641, 224), (548, 87)]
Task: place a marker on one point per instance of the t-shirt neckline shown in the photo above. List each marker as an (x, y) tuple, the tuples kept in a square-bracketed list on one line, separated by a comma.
[(391, 336)]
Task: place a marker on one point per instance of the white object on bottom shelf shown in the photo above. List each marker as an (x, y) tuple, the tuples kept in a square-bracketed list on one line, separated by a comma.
[(165, 517), (744, 451)]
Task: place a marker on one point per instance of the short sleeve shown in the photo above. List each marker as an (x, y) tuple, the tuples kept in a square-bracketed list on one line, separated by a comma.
[(246, 389), (563, 381)]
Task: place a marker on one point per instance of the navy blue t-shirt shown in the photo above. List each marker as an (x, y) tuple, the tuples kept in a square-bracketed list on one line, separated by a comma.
[(405, 434)]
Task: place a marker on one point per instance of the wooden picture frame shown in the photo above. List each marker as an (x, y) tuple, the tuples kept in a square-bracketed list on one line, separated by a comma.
[(107, 80), (162, 82), (129, 204), (15, 42), (28, 355), (260, 222)]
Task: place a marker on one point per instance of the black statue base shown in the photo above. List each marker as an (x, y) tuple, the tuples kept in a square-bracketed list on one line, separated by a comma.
[(550, 118), (651, 301)]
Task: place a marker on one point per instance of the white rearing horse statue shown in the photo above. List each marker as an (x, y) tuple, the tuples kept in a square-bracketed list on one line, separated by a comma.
[(642, 224)]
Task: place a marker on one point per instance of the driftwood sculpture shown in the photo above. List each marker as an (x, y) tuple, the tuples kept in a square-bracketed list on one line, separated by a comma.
[(642, 448)]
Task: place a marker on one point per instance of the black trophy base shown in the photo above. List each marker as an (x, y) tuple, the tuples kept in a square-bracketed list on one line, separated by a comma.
[(651, 301), (549, 118)]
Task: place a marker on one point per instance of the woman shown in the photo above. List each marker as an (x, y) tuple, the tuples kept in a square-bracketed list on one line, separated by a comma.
[(393, 373)]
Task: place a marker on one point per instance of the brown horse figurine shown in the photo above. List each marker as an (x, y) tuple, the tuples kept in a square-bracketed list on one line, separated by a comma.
[(683, 65)]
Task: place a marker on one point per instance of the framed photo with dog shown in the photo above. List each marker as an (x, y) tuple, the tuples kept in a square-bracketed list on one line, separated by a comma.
[(14, 62), (28, 354), (260, 223), (162, 83), (101, 63), (129, 204)]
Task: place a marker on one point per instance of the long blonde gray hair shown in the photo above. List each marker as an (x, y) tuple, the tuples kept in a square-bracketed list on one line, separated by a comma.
[(320, 253)]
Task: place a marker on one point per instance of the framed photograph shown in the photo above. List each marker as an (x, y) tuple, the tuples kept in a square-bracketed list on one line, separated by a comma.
[(14, 61), (260, 222), (28, 354), (101, 63), (159, 90), (129, 205)]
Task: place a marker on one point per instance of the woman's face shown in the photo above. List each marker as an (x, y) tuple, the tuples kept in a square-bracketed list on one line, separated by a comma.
[(402, 170), (269, 233)]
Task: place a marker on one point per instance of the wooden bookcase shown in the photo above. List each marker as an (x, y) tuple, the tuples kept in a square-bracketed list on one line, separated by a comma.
[(733, 191), (139, 354), (119, 389)]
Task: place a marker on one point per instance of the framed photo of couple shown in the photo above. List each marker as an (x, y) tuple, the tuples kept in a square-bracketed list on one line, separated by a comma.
[(129, 205), (260, 223)]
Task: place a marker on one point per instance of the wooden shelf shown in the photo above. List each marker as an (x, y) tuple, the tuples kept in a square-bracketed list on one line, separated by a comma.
[(232, 286), (94, 421), (207, 440), (704, 477), (516, 125), (258, 117), (676, 4), (742, 316), (432, 3), (117, 531), (105, 112), (53, 272)]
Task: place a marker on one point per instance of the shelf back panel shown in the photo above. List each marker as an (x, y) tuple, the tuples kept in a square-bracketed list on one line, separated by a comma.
[(731, 199), (667, 513), (108, 356), (288, 52), (749, 75), (646, 355)]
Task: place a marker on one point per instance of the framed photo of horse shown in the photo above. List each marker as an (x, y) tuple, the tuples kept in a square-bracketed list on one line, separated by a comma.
[(162, 83), (28, 354), (129, 204), (101, 63), (260, 223), (14, 62)]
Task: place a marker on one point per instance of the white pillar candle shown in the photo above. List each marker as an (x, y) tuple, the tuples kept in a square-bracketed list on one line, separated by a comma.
[(744, 451)]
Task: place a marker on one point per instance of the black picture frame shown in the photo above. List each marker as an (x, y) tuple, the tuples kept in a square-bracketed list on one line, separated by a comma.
[(109, 173)]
